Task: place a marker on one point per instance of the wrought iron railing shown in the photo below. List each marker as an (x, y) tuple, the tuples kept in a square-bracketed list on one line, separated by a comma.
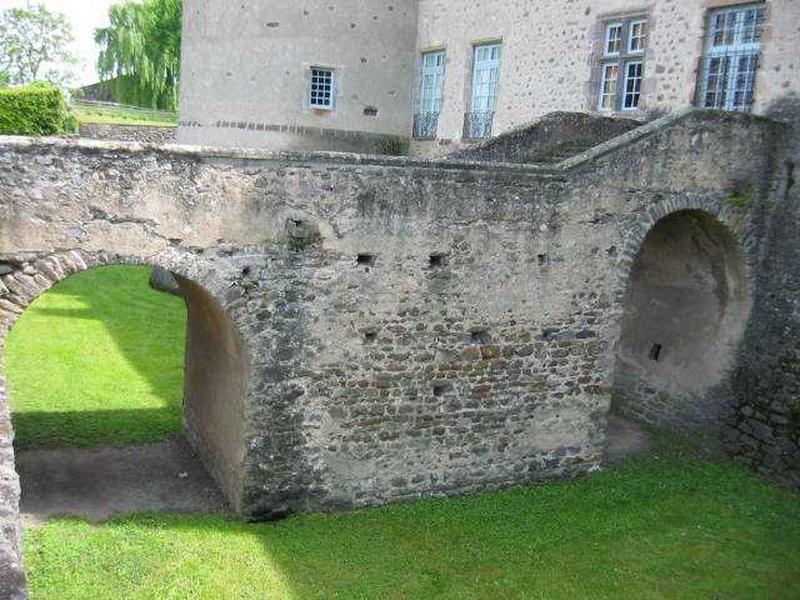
[(425, 125), (478, 125), (728, 80)]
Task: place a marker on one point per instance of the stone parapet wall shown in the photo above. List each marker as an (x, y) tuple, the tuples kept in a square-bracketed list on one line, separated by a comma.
[(765, 432), (553, 138), (411, 328), (128, 133)]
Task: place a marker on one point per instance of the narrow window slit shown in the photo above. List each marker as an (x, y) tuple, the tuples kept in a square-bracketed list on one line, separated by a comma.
[(655, 352), (479, 335), (437, 260), (440, 390), (366, 260)]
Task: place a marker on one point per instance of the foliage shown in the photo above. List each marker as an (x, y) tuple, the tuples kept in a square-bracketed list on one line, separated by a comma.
[(37, 109), (122, 115), (141, 50), (661, 527), (97, 360), (34, 45), (743, 198)]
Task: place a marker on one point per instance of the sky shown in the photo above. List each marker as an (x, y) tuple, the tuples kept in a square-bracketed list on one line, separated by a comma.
[(85, 16)]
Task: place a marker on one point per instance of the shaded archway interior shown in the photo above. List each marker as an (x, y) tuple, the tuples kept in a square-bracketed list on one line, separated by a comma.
[(685, 310), (215, 389)]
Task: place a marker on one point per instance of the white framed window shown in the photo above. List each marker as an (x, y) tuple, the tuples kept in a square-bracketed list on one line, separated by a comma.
[(483, 99), (613, 39), (730, 64), (321, 93), (609, 79), (431, 82), (621, 64), (633, 84), (431, 92), (637, 36)]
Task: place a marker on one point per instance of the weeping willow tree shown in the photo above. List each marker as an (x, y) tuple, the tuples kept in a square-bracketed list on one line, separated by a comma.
[(140, 52)]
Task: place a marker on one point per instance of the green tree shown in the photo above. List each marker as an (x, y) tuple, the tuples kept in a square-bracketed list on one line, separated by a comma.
[(34, 45), (141, 52)]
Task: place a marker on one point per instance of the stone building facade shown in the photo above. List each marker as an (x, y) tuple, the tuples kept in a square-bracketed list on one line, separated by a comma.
[(442, 73), (247, 70)]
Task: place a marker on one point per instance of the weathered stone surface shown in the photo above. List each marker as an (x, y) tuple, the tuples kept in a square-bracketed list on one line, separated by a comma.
[(164, 281), (128, 133), (552, 138), (333, 361)]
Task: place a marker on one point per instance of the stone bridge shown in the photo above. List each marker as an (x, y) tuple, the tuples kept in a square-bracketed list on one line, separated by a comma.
[(363, 330)]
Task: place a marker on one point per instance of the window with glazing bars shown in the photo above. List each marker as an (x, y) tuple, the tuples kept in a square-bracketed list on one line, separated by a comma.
[(321, 88), (622, 64), (426, 119), (483, 100), (730, 64)]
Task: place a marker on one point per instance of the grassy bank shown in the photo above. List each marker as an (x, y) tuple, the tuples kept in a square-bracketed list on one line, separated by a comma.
[(120, 115), (652, 529)]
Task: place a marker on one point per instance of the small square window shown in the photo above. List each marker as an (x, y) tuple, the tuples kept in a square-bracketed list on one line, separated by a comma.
[(321, 88)]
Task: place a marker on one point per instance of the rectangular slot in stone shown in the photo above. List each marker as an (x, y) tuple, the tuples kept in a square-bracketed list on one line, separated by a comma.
[(655, 352)]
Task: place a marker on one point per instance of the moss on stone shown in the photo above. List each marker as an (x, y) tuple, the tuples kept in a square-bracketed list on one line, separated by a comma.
[(743, 198)]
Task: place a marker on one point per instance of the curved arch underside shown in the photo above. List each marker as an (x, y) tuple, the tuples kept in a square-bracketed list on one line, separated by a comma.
[(685, 312), (216, 368)]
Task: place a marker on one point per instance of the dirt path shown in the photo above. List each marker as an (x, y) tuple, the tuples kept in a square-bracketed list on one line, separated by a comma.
[(98, 483)]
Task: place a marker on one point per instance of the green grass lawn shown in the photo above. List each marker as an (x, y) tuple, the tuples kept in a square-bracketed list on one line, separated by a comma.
[(653, 528), (97, 360), (115, 115)]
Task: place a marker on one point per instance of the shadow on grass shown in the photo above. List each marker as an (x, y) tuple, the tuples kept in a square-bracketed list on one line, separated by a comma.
[(114, 428), (646, 530)]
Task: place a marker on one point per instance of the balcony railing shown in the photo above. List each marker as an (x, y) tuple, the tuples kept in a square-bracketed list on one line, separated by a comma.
[(478, 125), (425, 125), (728, 80)]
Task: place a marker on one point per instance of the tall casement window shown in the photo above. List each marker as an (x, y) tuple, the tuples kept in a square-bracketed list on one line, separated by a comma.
[(730, 64), (483, 98), (321, 93), (426, 119), (622, 64)]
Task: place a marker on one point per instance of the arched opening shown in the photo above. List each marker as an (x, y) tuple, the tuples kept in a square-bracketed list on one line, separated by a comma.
[(685, 309), (181, 353)]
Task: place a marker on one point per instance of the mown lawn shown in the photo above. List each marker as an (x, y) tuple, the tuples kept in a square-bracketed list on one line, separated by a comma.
[(120, 115), (97, 360), (653, 528)]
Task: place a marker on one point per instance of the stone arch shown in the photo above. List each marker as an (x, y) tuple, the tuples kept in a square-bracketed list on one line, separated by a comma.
[(217, 380), (683, 300)]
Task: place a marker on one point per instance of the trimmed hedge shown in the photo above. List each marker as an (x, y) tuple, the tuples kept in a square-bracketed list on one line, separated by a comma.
[(37, 109)]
